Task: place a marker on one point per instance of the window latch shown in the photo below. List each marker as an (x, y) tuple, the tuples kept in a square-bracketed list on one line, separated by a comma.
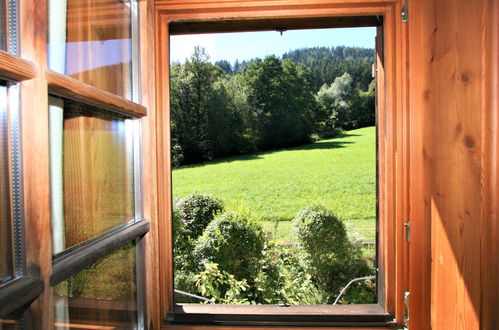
[(407, 226), (405, 13)]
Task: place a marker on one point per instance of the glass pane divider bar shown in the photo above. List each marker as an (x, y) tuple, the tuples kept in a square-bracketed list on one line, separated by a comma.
[(16, 68), (66, 86), (84, 256), (19, 293)]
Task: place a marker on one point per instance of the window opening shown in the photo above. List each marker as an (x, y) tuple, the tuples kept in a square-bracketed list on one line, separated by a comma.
[(257, 143)]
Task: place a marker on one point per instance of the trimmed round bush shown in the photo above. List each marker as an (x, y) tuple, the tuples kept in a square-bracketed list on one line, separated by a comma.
[(195, 212), (234, 242), (323, 236), (328, 253)]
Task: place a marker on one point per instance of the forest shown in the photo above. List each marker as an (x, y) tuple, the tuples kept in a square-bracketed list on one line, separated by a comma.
[(225, 109)]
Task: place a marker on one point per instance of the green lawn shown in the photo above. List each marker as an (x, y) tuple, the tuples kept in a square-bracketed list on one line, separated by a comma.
[(337, 173)]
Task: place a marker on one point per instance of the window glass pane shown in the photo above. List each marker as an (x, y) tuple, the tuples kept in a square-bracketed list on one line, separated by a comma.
[(103, 294), (6, 265), (3, 24), (92, 41), (8, 26), (91, 171)]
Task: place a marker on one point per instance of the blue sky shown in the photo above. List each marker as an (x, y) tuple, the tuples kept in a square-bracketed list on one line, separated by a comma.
[(248, 45)]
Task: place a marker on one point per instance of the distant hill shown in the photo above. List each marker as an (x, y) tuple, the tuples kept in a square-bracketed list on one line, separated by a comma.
[(325, 64), (328, 63)]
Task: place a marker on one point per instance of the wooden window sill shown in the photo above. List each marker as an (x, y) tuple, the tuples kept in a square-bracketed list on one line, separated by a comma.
[(65, 86), (368, 315)]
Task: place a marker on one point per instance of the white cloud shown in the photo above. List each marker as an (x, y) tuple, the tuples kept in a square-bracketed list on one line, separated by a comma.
[(181, 47)]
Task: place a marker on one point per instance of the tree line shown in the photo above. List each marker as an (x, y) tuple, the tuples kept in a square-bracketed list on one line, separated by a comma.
[(266, 104)]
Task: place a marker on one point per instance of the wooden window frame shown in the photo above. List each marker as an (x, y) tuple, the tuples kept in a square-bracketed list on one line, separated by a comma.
[(185, 16), (37, 82)]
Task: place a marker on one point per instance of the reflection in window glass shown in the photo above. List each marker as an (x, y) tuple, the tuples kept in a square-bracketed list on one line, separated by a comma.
[(3, 25), (8, 324), (6, 265), (92, 41), (103, 294), (8, 26), (91, 171)]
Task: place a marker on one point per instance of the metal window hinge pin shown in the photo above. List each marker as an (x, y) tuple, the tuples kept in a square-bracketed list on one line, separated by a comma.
[(405, 13)]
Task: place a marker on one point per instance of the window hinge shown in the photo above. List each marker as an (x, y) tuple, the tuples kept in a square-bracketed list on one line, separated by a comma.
[(407, 226), (407, 309), (405, 12)]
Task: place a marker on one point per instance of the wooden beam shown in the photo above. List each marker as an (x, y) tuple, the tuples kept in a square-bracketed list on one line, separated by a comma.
[(186, 27), (65, 86), (16, 68)]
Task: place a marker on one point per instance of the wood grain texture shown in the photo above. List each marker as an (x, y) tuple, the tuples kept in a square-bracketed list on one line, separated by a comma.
[(490, 167), (35, 157), (421, 99), (218, 5), (393, 142), (16, 68), (402, 129), (149, 163), (455, 166), (71, 88), (164, 169)]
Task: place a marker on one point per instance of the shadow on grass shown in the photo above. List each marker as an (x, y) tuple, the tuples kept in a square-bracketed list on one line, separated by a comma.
[(337, 143)]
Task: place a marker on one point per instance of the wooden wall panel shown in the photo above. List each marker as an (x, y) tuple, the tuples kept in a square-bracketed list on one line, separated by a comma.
[(453, 78), (490, 159), (455, 177), (421, 98)]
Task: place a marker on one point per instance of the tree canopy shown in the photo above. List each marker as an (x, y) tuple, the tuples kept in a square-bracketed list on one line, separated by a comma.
[(219, 109)]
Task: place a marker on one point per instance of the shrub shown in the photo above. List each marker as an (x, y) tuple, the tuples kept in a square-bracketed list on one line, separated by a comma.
[(234, 242), (195, 212), (282, 279), (328, 253), (177, 155), (190, 216), (220, 286)]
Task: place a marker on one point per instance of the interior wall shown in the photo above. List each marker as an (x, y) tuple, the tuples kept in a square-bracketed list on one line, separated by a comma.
[(454, 163)]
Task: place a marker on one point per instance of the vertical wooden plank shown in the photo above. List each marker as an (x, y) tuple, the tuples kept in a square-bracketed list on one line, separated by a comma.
[(401, 258), (421, 98), (35, 154), (164, 170), (456, 165), (388, 160), (490, 164), (380, 128), (150, 172)]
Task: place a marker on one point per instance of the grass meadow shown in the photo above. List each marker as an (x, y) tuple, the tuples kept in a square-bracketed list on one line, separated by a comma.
[(338, 173)]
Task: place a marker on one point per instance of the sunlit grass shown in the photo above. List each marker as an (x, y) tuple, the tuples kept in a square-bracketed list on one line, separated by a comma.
[(338, 173)]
